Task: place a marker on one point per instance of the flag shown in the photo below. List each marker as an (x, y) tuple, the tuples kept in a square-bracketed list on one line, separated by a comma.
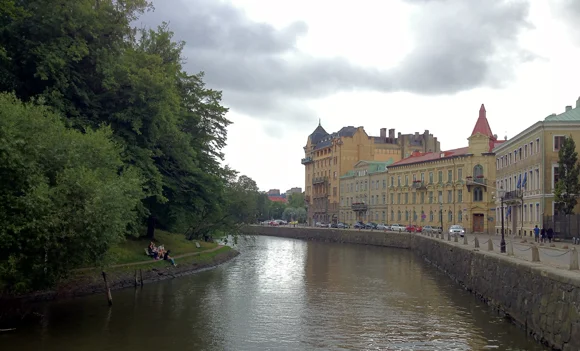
[(509, 210), (519, 182), (525, 180)]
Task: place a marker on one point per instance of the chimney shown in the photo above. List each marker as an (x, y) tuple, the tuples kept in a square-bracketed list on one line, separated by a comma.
[(384, 133), (578, 103), (568, 108), (392, 133), (495, 136)]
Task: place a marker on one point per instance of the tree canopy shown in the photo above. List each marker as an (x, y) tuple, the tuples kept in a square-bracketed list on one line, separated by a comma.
[(567, 188), (103, 133)]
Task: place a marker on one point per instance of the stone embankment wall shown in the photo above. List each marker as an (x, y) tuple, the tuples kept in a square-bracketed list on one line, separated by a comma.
[(544, 300)]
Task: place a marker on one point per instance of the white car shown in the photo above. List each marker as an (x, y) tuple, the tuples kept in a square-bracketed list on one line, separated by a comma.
[(456, 229), (398, 228)]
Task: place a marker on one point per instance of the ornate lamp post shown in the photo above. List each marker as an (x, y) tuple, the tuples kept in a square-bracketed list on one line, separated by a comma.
[(501, 194), (441, 215)]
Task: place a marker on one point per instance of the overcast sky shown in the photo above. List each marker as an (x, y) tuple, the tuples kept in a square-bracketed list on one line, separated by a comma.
[(405, 64)]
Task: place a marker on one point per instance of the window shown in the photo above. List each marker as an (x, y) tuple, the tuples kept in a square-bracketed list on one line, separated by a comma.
[(430, 197), (414, 198), (460, 174), (334, 191), (384, 199), (406, 215), (440, 197), (537, 145), (558, 141), (538, 211), (384, 183), (422, 197), (440, 176), (384, 216), (477, 194), (430, 177), (399, 181), (449, 196), (414, 177), (406, 198), (555, 176), (399, 198), (392, 200), (431, 216), (460, 216), (520, 153), (460, 196), (449, 176), (357, 186), (525, 151), (422, 177), (450, 216), (335, 175), (406, 180), (392, 181), (477, 172)]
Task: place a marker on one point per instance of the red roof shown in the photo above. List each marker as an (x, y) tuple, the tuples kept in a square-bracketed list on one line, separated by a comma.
[(482, 125), (277, 199), (417, 157)]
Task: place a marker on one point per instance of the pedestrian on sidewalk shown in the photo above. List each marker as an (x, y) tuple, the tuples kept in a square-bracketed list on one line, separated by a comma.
[(543, 235), (550, 234), (537, 234)]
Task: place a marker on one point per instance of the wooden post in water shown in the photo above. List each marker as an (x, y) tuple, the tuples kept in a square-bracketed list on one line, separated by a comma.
[(107, 289), (141, 274), (136, 282)]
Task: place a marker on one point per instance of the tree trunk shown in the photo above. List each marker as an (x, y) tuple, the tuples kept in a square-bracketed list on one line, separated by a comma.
[(151, 227)]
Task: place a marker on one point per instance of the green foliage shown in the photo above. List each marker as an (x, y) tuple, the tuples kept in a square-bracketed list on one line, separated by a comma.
[(65, 196), (296, 200), (567, 188)]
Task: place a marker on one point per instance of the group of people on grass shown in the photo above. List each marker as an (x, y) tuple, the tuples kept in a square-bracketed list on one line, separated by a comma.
[(543, 235), (159, 253)]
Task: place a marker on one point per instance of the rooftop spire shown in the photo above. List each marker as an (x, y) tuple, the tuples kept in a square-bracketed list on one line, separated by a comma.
[(320, 121), (482, 125)]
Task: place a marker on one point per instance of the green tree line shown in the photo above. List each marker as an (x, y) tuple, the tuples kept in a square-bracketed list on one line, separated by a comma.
[(104, 135)]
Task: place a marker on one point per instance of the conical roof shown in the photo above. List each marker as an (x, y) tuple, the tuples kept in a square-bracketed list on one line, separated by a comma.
[(482, 125)]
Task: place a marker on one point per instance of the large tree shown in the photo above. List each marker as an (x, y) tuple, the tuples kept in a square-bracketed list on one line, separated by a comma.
[(567, 188), (65, 197)]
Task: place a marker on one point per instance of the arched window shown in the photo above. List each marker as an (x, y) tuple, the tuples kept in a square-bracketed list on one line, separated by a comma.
[(406, 215), (414, 215), (477, 194), (450, 216), (460, 216), (398, 215), (423, 216), (478, 171), (377, 216), (431, 216)]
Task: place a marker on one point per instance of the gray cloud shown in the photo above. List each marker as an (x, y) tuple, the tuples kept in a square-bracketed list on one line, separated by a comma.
[(460, 45), (569, 11)]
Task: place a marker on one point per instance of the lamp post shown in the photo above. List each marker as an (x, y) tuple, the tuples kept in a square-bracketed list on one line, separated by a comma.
[(441, 215), (501, 194)]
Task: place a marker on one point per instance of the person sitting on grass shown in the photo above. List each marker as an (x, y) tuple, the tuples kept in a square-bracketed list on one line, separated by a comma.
[(151, 248), (169, 258)]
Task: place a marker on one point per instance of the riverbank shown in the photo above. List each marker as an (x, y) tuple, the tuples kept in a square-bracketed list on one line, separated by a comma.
[(542, 299)]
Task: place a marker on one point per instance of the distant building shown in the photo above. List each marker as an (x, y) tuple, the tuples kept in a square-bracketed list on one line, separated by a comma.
[(273, 192), (293, 191)]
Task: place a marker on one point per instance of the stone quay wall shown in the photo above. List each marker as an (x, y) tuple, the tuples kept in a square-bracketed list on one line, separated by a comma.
[(543, 300)]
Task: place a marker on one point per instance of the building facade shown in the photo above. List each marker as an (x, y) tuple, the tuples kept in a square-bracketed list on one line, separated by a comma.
[(447, 187), (329, 155), (527, 171), (363, 193)]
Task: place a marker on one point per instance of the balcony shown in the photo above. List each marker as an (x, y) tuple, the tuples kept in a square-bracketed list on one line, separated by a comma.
[(307, 198), (306, 160), (419, 185), (359, 206), (513, 195), (319, 180), (471, 182)]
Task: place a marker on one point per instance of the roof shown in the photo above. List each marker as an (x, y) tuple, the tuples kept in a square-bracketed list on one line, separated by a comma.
[(572, 115), (482, 125), (320, 138), (318, 134), (418, 157), (372, 167), (277, 199)]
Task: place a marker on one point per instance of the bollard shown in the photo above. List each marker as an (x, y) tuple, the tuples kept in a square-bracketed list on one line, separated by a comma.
[(510, 248), (448, 237), (455, 238), (574, 259), (437, 235), (465, 242), (489, 245), (107, 289), (535, 254), (476, 243)]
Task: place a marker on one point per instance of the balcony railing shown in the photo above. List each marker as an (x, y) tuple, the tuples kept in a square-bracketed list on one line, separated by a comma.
[(513, 195), (319, 180), (476, 181), (419, 184), (359, 206), (306, 160)]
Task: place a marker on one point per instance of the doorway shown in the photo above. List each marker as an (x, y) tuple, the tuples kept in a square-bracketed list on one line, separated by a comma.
[(478, 223)]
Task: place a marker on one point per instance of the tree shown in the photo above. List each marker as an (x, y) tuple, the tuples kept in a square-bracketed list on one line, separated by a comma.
[(65, 197), (289, 214), (277, 209), (296, 200), (567, 188)]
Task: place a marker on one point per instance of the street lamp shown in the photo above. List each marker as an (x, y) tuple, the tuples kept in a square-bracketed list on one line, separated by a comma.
[(501, 194), (441, 215)]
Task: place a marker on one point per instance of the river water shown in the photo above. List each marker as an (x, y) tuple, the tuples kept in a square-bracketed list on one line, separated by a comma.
[(283, 294)]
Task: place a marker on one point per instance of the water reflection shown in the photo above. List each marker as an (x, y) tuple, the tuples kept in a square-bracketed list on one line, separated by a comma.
[(283, 294)]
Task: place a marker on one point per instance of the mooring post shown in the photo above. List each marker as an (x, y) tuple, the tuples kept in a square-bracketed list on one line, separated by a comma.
[(535, 254), (456, 238), (465, 242), (136, 281), (141, 274), (448, 237), (574, 259), (107, 289), (490, 245), (476, 242)]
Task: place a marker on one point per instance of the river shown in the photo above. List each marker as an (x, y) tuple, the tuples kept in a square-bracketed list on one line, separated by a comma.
[(283, 294)]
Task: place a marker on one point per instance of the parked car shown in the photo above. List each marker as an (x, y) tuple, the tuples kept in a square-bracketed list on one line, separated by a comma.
[(321, 225), (382, 226), (371, 225), (359, 225), (413, 228), (398, 228), (341, 225), (456, 229)]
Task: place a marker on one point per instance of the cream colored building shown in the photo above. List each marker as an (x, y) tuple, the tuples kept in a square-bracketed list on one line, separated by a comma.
[(447, 187), (363, 193), (531, 159), (327, 156)]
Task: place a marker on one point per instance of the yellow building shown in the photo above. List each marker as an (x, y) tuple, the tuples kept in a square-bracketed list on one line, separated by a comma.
[(363, 193), (447, 187), (530, 159), (327, 156)]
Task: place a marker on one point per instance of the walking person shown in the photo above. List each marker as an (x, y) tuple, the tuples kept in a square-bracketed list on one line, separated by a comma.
[(543, 235), (537, 234), (550, 234)]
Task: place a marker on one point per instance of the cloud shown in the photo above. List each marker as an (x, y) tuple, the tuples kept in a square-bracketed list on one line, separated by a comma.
[(459, 45), (569, 11)]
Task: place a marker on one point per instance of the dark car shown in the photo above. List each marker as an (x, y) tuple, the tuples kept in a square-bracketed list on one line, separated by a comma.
[(359, 225), (341, 225), (371, 225)]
